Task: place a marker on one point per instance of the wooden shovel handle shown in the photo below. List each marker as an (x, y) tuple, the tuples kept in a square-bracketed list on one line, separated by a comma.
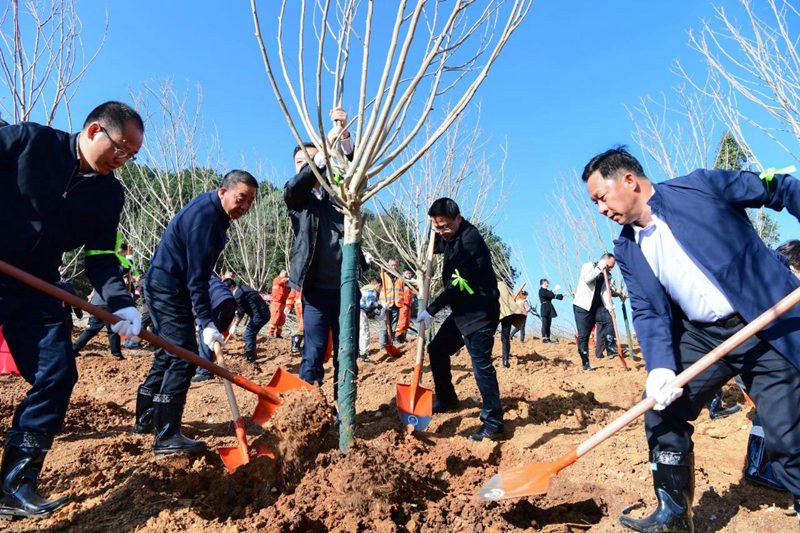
[(426, 289), (614, 321), (102, 314)]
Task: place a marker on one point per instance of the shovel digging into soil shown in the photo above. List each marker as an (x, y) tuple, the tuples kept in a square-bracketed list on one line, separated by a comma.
[(535, 478), (268, 400), (414, 402), (235, 456)]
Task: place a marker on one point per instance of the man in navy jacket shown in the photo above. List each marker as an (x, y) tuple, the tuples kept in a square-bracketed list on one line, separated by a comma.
[(57, 193), (249, 302), (177, 293), (690, 256)]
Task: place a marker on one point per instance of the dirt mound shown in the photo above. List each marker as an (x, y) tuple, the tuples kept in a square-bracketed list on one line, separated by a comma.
[(390, 480)]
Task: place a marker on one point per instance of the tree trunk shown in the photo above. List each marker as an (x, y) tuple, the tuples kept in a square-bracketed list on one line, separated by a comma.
[(348, 328)]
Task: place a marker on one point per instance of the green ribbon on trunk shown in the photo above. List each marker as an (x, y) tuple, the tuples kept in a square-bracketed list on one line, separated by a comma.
[(461, 283)]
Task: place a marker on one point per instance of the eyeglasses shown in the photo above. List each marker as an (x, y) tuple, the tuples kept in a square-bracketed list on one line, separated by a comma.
[(118, 151)]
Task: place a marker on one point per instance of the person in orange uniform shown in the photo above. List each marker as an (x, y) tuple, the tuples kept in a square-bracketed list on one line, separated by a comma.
[(392, 296), (295, 301), (405, 310), (280, 292)]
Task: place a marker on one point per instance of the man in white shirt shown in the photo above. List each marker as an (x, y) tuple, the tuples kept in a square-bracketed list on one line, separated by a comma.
[(689, 255), (590, 306)]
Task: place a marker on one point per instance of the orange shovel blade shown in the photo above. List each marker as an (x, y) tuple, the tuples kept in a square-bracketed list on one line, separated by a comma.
[(233, 457), (525, 480), (282, 381), (393, 350), (416, 411)]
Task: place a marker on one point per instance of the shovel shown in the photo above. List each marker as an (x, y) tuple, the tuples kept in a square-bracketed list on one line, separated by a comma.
[(268, 400), (614, 322), (235, 456), (414, 402), (535, 478), (390, 348)]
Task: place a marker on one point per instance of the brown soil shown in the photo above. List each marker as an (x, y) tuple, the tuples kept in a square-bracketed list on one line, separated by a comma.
[(390, 480)]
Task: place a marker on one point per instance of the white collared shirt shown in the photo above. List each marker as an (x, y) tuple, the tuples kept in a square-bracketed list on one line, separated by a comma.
[(686, 283)]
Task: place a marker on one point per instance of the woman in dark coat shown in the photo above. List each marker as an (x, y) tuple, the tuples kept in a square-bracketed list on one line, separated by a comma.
[(547, 311)]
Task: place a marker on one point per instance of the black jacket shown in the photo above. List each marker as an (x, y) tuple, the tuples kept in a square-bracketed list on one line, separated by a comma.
[(185, 257), (467, 252), (47, 208), (308, 215), (249, 302), (546, 298)]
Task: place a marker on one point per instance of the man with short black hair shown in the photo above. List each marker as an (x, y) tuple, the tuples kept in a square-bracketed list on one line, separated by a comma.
[(316, 261), (471, 293), (177, 292), (688, 253), (57, 193)]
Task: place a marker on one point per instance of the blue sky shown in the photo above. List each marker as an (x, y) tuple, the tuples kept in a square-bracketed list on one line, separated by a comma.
[(556, 95)]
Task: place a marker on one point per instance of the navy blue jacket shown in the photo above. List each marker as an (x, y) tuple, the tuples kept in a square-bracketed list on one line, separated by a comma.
[(706, 212), (218, 292), (467, 252), (184, 259), (249, 302), (47, 208)]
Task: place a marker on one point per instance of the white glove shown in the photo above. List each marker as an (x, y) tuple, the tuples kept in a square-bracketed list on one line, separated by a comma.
[(555, 289), (319, 160), (232, 329), (368, 258), (211, 334), (657, 379), (602, 264), (287, 310), (425, 317), (131, 323)]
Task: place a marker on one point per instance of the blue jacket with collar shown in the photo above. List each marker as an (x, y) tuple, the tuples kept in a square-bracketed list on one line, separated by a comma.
[(184, 259), (48, 208), (706, 212)]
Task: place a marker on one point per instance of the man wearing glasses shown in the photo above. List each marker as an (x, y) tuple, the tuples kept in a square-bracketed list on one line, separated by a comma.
[(58, 192)]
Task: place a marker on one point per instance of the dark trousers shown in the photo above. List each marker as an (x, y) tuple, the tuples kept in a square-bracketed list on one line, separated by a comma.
[(772, 381), (520, 329), (448, 341), (585, 321), (394, 315), (223, 316), (39, 336), (605, 339), (320, 316), (173, 319), (505, 337), (93, 328), (546, 321), (250, 335)]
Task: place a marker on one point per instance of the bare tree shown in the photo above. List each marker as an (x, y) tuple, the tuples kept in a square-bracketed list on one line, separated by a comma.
[(754, 71), (433, 50), (456, 167), (42, 58)]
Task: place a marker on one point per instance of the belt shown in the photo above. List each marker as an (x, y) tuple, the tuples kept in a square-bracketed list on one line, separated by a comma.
[(727, 322)]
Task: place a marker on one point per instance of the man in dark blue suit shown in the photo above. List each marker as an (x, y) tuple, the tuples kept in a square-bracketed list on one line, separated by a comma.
[(689, 256)]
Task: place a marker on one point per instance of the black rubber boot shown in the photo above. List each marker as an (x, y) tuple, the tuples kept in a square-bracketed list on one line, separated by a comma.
[(673, 480), (506, 363), (296, 339), (797, 509), (716, 410), (19, 471), (585, 360), (167, 414), (250, 356), (144, 411)]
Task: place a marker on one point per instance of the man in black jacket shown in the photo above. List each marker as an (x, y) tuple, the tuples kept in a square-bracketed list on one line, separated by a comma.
[(57, 192), (471, 292), (177, 293), (547, 311), (316, 262), (250, 303)]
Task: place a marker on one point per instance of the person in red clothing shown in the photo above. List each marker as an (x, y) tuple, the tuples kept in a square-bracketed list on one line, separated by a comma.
[(295, 301), (392, 297), (280, 292), (405, 310)]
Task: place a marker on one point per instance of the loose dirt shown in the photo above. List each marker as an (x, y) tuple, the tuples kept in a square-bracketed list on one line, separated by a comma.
[(390, 481)]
